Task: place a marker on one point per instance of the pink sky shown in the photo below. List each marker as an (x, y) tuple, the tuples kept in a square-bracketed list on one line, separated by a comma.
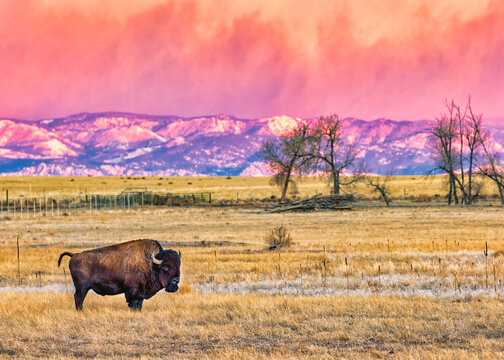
[(361, 58)]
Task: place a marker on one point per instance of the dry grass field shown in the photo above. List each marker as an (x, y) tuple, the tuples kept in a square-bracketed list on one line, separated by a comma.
[(222, 188), (409, 281)]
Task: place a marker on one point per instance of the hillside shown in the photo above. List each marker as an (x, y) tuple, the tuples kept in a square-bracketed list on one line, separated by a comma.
[(116, 143)]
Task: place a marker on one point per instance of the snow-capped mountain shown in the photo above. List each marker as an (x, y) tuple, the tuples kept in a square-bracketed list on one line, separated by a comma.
[(116, 143)]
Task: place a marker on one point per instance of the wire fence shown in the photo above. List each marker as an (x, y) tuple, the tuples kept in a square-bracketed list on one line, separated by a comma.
[(26, 206)]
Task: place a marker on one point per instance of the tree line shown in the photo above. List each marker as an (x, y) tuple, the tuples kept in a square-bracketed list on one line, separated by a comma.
[(461, 148)]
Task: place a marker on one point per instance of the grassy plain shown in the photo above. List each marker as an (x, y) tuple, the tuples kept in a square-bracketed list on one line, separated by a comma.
[(222, 188), (414, 284)]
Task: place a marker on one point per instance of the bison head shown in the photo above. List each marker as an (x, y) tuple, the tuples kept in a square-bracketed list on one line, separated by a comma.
[(166, 265)]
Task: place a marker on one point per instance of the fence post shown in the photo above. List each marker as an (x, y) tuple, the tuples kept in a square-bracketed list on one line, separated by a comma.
[(19, 268)]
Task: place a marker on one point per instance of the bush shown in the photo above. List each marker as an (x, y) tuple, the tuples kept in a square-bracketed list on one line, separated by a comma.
[(279, 238)]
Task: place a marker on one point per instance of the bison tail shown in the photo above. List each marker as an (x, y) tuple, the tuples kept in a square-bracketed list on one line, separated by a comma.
[(63, 254)]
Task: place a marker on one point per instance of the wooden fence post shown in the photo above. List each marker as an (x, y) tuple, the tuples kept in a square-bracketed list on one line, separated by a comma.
[(19, 268), (486, 264)]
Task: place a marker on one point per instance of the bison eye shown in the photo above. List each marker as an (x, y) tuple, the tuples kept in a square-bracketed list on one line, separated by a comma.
[(165, 268)]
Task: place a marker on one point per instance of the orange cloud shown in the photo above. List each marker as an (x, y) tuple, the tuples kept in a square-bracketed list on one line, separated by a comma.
[(364, 58)]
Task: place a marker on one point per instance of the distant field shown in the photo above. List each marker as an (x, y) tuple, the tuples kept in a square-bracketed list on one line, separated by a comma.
[(410, 281), (222, 188)]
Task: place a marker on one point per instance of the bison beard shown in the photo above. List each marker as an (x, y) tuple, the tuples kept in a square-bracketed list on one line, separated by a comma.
[(138, 268)]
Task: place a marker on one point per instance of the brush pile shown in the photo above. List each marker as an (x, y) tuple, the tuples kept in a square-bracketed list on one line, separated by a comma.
[(317, 202)]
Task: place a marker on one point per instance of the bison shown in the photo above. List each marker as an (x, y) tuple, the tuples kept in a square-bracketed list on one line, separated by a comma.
[(138, 268)]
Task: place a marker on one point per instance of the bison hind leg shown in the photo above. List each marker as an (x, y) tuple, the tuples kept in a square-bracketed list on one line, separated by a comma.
[(80, 294)]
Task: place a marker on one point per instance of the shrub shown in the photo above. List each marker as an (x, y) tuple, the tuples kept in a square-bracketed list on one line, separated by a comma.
[(279, 238)]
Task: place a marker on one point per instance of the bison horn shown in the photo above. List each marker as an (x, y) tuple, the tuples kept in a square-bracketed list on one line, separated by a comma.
[(179, 254), (156, 261)]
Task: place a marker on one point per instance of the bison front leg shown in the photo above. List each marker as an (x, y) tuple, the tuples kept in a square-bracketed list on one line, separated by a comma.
[(134, 302)]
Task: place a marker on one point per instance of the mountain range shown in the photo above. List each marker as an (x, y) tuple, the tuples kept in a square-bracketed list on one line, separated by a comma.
[(115, 143)]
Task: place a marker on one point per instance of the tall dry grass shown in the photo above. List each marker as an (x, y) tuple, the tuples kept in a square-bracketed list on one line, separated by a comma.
[(225, 247), (228, 245), (230, 326)]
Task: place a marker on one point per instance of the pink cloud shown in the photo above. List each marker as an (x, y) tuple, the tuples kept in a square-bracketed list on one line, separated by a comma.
[(357, 58)]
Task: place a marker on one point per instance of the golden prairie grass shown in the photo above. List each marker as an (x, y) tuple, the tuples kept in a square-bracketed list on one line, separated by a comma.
[(222, 187), (222, 248), (228, 245), (250, 326)]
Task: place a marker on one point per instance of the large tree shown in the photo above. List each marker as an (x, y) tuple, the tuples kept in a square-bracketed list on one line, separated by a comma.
[(286, 156), (472, 129), (443, 136), (491, 165), (331, 153), (455, 145)]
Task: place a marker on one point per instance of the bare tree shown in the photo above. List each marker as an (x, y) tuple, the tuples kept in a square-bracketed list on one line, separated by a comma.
[(492, 167), (443, 136), (471, 131), (331, 154), (286, 156), (379, 185), (455, 141), (494, 171)]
